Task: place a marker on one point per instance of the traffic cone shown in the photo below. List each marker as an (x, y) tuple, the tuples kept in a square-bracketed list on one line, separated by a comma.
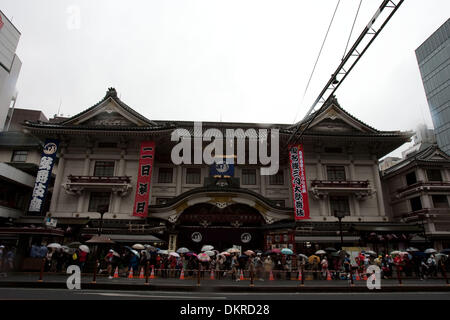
[(152, 275), (242, 275), (358, 278), (328, 275), (271, 276), (182, 274), (300, 276), (141, 274), (130, 275), (212, 274), (365, 275), (116, 273)]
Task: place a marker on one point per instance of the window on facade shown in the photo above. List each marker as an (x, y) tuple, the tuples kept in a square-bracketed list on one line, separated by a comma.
[(107, 144), (193, 175), (165, 175), (104, 168), (99, 200), (411, 178), (19, 156), (277, 179), (440, 201), (339, 204), (434, 175), (248, 176), (416, 204), (336, 173)]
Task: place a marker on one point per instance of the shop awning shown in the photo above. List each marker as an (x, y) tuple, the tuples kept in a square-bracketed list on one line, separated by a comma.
[(32, 231), (138, 238), (398, 228)]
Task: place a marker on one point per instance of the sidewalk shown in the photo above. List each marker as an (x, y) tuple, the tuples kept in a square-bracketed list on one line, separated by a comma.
[(30, 280)]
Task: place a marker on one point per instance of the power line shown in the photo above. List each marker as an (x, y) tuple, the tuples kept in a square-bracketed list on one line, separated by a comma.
[(317, 59), (351, 31)]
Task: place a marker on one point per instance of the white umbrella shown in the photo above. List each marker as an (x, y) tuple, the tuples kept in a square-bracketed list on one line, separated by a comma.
[(183, 250), (395, 252), (430, 250), (163, 251), (321, 252), (207, 248), (302, 256), (65, 249), (54, 245), (138, 246), (135, 253), (174, 254), (233, 250), (84, 248), (210, 253)]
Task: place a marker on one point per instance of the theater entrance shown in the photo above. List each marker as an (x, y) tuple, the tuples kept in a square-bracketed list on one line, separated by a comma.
[(207, 224)]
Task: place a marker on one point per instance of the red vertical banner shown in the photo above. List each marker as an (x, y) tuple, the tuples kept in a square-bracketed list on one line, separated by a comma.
[(142, 198), (298, 179)]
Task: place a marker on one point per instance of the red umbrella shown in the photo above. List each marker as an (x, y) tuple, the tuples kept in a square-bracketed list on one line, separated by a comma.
[(276, 250)]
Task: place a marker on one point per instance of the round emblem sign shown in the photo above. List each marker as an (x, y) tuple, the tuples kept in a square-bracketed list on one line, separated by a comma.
[(246, 237), (196, 237), (222, 167), (50, 148)]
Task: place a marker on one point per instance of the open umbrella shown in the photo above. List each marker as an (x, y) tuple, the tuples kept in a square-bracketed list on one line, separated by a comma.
[(84, 248), (203, 257), (249, 252), (66, 249), (430, 250), (302, 256), (138, 246), (207, 248), (395, 252), (74, 245), (287, 251), (174, 254), (225, 253), (165, 252), (210, 253), (233, 250), (313, 258), (321, 252), (116, 254), (412, 249), (329, 249), (135, 252), (54, 245), (276, 250), (243, 256), (189, 254), (183, 250), (371, 253)]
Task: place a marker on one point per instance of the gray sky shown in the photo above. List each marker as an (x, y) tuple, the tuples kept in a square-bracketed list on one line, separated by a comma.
[(239, 61)]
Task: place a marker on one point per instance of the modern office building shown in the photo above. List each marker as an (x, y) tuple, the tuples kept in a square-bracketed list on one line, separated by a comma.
[(433, 57), (10, 66)]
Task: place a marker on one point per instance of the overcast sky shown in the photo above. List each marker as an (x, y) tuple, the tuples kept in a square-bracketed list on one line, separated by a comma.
[(210, 60)]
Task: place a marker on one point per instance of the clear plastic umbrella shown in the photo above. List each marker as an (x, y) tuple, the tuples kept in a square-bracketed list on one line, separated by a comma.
[(84, 248), (207, 248), (174, 254), (183, 250), (54, 245), (210, 253), (138, 246)]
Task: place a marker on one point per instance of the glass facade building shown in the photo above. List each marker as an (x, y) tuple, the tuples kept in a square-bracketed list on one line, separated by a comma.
[(433, 57)]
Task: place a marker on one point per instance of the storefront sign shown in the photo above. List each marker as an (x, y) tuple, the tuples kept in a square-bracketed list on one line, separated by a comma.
[(219, 170), (300, 194), (146, 158), (43, 176)]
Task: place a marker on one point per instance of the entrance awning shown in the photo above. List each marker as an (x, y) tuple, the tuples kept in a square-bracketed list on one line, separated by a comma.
[(324, 239), (32, 231)]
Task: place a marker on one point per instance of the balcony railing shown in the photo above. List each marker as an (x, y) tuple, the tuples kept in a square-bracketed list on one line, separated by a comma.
[(118, 184), (424, 185), (426, 213), (357, 188)]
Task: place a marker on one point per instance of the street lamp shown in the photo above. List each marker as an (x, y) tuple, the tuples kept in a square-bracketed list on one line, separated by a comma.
[(340, 215), (102, 210)]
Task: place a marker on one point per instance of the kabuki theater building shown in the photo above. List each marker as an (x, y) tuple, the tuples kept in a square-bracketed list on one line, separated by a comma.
[(116, 171)]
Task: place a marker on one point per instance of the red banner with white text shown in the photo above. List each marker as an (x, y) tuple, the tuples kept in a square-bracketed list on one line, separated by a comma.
[(298, 179), (142, 198)]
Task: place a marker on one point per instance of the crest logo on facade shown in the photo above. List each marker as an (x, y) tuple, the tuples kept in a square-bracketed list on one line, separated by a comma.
[(196, 237), (246, 237), (222, 167), (50, 148)]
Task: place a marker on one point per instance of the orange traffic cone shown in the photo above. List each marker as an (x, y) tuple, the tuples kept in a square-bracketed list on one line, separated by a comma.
[(365, 275), (357, 276), (212, 274), (242, 275), (152, 275), (130, 275), (271, 276), (141, 274), (299, 276), (328, 275), (116, 273), (182, 274)]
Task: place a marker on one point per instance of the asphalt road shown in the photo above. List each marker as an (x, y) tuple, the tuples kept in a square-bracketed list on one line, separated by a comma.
[(65, 294)]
